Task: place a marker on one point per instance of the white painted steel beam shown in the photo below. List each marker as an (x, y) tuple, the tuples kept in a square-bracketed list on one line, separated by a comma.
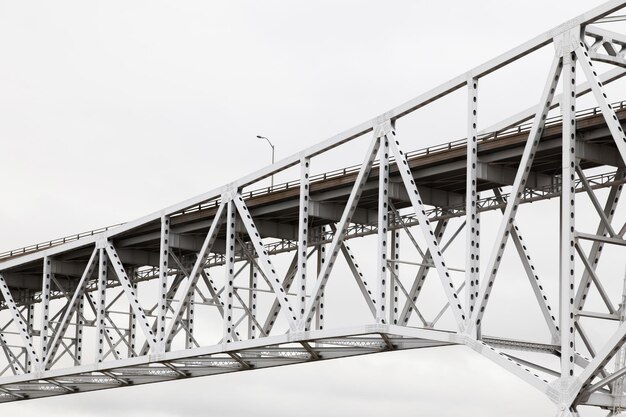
[(383, 224), (426, 228), (513, 203), (568, 203), (472, 235), (324, 274), (303, 233)]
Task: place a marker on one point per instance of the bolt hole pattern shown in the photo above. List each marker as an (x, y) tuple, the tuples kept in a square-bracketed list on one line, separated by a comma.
[(433, 244), (471, 213), (339, 236), (303, 231), (517, 190), (163, 274)]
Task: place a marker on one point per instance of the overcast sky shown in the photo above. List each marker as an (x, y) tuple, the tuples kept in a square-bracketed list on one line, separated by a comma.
[(111, 110)]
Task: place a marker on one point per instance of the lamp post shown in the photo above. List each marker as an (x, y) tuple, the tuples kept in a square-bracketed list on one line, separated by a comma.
[(272, 145)]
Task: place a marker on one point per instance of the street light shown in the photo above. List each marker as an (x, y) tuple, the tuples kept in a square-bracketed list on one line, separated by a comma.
[(272, 145)]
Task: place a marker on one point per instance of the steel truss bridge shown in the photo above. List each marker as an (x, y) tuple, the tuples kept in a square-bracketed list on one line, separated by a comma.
[(236, 279)]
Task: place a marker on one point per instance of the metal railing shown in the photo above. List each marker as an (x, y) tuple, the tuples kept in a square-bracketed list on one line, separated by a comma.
[(431, 150), (55, 242)]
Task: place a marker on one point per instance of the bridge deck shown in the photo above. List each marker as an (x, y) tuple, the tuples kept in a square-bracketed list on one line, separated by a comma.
[(439, 172)]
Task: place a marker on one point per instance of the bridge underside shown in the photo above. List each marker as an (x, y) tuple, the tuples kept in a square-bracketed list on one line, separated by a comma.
[(219, 359), (243, 277)]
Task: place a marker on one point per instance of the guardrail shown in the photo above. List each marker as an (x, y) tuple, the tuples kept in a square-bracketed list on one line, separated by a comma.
[(445, 147), (435, 149), (54, 242)]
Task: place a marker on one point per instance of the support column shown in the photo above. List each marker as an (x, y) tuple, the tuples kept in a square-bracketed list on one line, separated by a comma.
[(321, 258), (342, 228), (230, 272), (30, 322), (252, 300), (472, 255), (101, 311), (395, 276), (517, 192), (132, 317), (303, 232), (383, 224), (189, 340), (163, 270), (568, 194), (78, 335), (45, 306)]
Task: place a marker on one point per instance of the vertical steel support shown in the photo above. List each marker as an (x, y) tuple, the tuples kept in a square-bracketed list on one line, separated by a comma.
[(303, 229), (101, 311), (132, 318), (517, 192), (45, 306), (198, 266), (30, 307), (427, 230), (230, 272), (78, 331), (189, 340), (568, 194), (28, 363), (383, 224), (395, 276), (252, 300), (30, 320), (472, 232), (321, 259), (342, 227), (163, 271)]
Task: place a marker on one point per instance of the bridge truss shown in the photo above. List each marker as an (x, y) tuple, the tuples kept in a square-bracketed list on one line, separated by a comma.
[(238, 278)]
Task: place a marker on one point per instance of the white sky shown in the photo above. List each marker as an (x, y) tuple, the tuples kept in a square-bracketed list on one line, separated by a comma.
[(112, 110)]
